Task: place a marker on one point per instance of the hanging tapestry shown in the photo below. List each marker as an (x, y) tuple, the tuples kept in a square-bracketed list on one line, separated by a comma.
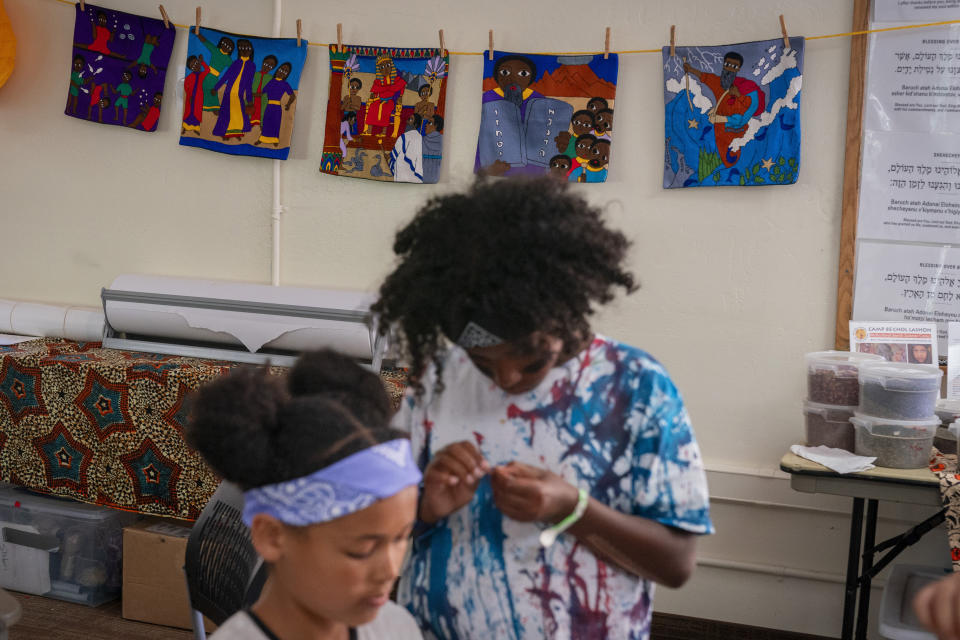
[(732, 114), (547, 114), (240, 92), (119, 66), (385, 113)]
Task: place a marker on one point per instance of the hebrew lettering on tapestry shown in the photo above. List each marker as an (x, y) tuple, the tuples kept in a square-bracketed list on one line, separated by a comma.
[(547, 114), (385, 114), (118, 68), (240, 93), (732, 114)]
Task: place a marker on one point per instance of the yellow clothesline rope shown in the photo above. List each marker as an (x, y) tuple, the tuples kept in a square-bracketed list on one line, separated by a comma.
[(629, 51)]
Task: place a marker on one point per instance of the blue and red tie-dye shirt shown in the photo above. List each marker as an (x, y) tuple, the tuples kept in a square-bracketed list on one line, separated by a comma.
[(609, 420)]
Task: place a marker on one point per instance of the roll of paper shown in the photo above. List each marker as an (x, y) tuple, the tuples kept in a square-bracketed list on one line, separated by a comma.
[(84, 324), (253, 331)]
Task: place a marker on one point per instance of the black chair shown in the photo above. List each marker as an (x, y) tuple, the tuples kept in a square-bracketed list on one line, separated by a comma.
[(224, 573)]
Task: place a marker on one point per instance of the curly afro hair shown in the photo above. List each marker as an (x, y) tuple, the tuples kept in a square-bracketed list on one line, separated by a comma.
[(514, 256), (255, 428)]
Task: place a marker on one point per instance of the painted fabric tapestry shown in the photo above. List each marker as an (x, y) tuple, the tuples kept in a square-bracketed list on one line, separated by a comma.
[(240, 92), (385, 114), (732, 114), (547, 114), (118, 68)]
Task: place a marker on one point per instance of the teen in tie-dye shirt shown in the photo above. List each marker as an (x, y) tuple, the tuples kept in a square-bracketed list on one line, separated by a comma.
[(526, 408)]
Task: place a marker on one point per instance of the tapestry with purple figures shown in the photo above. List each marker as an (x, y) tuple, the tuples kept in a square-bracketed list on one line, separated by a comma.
[(119, 66), (240, 93)]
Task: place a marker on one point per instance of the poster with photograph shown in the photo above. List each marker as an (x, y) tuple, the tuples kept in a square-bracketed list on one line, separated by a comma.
[(732, 114), (914, 342)]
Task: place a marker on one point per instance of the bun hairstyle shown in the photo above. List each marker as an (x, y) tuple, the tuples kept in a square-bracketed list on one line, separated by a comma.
[(255, 428)]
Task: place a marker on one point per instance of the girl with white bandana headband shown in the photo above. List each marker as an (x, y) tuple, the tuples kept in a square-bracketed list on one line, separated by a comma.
[(330, 496), (561, 474)]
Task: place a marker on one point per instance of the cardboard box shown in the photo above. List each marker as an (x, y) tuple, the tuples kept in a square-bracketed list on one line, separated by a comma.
[(154, 585)]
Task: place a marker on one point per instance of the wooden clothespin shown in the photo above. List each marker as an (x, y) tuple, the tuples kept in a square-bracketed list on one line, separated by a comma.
[(673, 33), (339, 37), (783, 30), (82, 7), (606, 45), (299, 30), (443, 48), (166, 18), (196, 29), (491, 44)]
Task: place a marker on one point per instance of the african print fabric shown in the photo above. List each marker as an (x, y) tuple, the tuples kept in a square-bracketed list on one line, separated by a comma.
[(385, 113), (106, 426), (609, 421), (547, 114), (118, 67), (240, 93), (732, 114), (944, 466)]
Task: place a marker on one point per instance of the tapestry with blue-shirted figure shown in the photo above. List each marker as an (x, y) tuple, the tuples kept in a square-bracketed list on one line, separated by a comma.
[(386, 113), (240, 93), (118, 68), (732, 114), (547, 114)]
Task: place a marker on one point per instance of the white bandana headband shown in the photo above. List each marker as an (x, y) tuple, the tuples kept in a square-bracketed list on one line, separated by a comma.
[(473, 336), (348, 485)]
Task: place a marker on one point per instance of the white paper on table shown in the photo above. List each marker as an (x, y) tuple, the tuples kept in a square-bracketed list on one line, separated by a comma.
[(953, 360), (910, 186), (914, 342), (7, 339), (912, 81), (915, 10), (912, 283), (252, 330), (24, 568), (84, 324)]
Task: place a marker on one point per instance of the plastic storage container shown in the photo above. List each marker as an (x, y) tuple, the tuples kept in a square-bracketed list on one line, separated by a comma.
[(948, 411), (897, 619), (898, 390), (832, 376), (829, 425), (899, 444), (60, 548), (945, 441)]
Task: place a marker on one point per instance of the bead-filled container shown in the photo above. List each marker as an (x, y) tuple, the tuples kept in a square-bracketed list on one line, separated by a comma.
[(899, 444), (898, 390), (829, 425), (832, 376)]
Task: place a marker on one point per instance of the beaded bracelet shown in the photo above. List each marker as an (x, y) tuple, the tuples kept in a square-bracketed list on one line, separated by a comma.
[(549, 536)]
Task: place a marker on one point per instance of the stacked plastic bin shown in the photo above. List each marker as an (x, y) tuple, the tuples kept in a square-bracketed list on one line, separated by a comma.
[(896, 419), (833, 392)]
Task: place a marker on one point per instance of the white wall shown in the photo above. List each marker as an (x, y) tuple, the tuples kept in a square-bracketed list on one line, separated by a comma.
[(736, 283)]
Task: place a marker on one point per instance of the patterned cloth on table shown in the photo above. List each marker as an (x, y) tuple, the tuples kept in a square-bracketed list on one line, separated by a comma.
[(240, 93), (944, 465), (385, 113), (106, 426), (118, 67), (732, 114), (547, 114)]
